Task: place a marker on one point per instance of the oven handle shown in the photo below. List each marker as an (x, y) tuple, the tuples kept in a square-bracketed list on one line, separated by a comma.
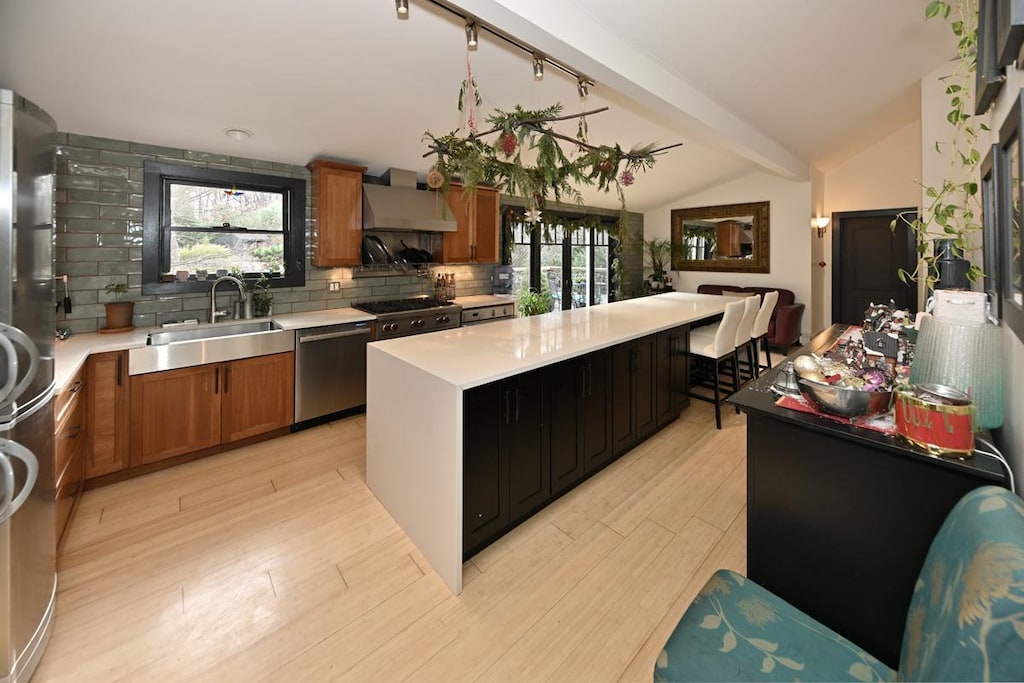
[(332, 335)]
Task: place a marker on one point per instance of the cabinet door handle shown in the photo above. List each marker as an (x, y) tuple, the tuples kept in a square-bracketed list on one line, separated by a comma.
[(216, 380), (508, 408), (75, 432), (227, 376), (583, 382), (517, 404), (590, 379), (119, 359), (75, 387)]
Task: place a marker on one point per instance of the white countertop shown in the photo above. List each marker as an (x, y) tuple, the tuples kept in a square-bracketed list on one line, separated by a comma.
[(475, 355), (481, 300), (70, 354)]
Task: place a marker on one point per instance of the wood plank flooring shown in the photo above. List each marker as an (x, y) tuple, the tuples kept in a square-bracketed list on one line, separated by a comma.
[(275, 562)]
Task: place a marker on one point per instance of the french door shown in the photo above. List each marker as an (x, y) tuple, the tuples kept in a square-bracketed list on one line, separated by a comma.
[(574, 266)]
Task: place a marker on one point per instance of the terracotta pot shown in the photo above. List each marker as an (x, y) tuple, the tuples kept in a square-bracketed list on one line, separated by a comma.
[(119, 314)]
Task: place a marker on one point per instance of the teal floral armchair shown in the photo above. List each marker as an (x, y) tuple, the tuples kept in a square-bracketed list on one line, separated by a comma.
[(965, 623)]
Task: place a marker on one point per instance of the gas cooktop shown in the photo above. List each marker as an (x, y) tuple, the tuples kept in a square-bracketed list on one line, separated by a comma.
[(401, 305)]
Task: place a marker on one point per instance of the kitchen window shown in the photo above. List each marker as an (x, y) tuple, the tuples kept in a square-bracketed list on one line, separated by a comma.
[(576, 266), (200, 222)]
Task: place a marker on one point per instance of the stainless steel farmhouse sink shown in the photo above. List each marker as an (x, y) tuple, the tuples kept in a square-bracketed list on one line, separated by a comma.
[(203, 344), (208, 331)]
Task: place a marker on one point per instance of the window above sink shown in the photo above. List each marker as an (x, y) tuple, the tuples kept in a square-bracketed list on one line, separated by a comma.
[(200, 221)]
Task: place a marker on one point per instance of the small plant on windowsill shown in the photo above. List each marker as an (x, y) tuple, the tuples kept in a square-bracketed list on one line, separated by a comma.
[(118, 313), (258, 290)]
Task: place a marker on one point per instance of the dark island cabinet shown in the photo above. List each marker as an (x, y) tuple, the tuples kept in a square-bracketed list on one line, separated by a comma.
[(634, 415), (581, 440), (484, 467), (506, 456), (671, 374), (530, 438)]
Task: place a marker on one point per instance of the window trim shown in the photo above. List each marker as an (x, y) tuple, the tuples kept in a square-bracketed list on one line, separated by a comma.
[(155, 208)]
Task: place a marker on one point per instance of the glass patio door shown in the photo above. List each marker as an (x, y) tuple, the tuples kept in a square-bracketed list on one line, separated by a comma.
[(574, 267)]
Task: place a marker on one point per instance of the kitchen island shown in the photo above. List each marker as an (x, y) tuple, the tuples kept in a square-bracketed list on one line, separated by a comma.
[(417, 387)]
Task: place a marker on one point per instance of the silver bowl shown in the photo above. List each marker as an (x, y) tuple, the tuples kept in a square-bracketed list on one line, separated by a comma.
[(844, 401)]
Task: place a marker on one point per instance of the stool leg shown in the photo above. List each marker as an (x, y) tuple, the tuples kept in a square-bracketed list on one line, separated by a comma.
[(718, 397), (736, 375), (767, 352), (752, 359)]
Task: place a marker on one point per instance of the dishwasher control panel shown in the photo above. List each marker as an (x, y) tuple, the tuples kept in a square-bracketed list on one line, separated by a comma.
[(487, 313)]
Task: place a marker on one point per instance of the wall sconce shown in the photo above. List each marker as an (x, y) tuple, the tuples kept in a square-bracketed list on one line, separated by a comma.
[(820, 223)]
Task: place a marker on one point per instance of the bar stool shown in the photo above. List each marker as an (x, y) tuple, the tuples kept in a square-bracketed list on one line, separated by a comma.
[(712, 346), (743, 337), (759, 333)]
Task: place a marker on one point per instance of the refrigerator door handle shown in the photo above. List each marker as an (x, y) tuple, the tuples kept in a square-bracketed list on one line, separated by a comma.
[(13, 334), (19, 452), (12, 367)]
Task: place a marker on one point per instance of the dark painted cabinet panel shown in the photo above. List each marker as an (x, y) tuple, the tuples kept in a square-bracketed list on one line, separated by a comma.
[(645, 386), (623, 406), (672, 374), (524, 440), (485, 498), (595, 427), (566, 389)]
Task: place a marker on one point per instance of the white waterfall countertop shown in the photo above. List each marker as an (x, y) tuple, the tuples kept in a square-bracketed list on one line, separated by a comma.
[(414, 402), (471, 356)]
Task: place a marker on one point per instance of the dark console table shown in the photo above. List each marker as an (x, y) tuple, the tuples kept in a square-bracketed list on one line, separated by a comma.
[(839, 518)]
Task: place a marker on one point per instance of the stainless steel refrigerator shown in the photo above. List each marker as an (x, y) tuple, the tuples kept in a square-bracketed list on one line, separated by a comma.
[(28, 579)]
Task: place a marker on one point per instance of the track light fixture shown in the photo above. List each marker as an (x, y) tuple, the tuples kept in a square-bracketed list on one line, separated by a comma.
[(582, 88), (538, 67), (402, 8), (471, 36)]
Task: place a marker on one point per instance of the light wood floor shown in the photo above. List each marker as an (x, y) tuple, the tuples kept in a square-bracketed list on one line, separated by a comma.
[(275, 562)]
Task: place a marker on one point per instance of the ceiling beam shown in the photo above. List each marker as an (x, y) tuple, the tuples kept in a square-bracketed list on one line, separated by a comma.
[(561, 30)]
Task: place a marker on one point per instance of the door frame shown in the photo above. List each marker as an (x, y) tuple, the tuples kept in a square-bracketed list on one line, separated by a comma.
[(837, 261)]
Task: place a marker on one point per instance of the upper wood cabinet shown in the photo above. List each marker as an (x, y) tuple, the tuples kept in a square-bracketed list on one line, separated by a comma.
[(728, 238), (477, 238), (337, 201), (107, 376)]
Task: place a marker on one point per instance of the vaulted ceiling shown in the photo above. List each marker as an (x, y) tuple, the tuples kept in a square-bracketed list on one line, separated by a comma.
[(745, 84)]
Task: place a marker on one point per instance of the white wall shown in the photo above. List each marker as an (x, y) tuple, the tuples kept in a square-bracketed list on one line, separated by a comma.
[(882, 176), (790, 221)]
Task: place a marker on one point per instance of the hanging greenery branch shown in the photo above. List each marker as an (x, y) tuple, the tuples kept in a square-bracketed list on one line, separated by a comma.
[(472, 162)]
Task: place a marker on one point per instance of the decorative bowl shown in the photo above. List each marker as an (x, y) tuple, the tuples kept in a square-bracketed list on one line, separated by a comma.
[(843, 401)]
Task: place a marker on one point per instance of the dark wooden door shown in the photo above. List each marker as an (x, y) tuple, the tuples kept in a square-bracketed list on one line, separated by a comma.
[(524, 440), (867, 256), (484, 468)]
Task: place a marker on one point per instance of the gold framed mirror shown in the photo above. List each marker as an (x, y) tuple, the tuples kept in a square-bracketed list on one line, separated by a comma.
[(730, 238)]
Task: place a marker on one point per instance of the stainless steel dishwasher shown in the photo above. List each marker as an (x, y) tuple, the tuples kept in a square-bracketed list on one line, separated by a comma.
[(330, 369)]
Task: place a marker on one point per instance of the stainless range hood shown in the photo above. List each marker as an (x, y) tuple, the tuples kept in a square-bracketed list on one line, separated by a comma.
[(400, 206)]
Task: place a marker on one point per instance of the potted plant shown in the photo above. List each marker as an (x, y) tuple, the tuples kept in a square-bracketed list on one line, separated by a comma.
[(954, 210), (119, 313), (657, 253), (532, 302), (257, 291)]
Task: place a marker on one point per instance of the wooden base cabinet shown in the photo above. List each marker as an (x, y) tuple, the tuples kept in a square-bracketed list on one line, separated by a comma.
[(182, 411), (671, 374), (69, 451), (581, 440), (108, 415)]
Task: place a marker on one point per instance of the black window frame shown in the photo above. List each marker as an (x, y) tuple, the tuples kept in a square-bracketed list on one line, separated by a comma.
[(537, 238), (156, 218)]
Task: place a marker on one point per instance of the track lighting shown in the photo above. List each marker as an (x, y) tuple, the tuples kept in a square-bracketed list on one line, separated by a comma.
[(471, 37), (538, 67), (402, 8), (582, 88)]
